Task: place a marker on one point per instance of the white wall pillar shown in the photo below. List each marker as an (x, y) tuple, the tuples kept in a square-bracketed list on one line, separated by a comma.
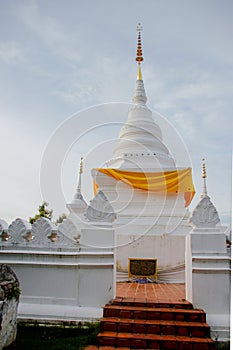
[(97, 279), (208, 271), (97, 276)]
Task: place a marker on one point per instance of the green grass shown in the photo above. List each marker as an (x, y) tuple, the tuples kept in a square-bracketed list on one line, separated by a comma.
[(54, 338)]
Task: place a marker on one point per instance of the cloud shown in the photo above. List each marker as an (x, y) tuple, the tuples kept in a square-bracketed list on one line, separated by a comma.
[(72, 58), (81, 93), (21, 147), (49, 30), (198, 101), (11, 53)]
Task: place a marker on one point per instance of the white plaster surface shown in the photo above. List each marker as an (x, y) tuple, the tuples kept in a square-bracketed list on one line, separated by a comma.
[(62, 279), (208, 278), (50, 313), (147, 225)]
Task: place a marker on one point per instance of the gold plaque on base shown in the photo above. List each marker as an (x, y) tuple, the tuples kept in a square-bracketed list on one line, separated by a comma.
[(142, 268)]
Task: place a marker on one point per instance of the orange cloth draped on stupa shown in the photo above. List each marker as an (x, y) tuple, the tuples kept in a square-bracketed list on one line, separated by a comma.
[(168, 181)]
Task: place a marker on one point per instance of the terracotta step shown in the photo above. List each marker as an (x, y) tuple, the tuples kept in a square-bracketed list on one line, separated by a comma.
[(179, 328), (152, 304), (154, 325), (146, 313), (93, 347), (152, 341)]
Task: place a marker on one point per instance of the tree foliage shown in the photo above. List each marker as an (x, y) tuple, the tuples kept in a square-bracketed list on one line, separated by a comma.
[(61, 218), (43, 211)]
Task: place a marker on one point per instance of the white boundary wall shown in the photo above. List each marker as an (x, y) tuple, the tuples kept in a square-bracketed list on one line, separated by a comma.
[(61, 279)]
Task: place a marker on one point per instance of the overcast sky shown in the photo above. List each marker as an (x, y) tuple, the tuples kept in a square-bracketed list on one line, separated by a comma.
[(60, 57)]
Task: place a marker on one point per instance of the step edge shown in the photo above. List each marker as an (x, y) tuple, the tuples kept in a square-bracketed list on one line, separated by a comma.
[(158, 337), (149, 322)]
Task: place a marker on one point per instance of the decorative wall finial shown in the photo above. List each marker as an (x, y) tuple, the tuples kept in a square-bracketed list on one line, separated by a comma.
[(204, 176), (205, 214), (81, 166), (78, 203), (78, 194), (139, 57), (80, 175), (100, 210)]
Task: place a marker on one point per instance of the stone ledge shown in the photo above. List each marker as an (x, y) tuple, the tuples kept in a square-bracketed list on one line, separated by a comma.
[(211, 270), (45, 313)]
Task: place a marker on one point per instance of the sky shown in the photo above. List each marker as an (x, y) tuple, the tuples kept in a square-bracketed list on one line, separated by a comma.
[(59, 60)]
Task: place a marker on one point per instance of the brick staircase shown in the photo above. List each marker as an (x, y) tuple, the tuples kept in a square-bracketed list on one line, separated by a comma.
[(152, 325)]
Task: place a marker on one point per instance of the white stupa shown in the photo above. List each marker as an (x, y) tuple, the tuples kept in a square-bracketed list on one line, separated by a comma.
[(140, 145), (148, 193)]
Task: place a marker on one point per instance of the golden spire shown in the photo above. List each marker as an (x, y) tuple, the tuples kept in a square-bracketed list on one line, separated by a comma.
[(80, 175), (204, 176), (81, 166), (139, 57)]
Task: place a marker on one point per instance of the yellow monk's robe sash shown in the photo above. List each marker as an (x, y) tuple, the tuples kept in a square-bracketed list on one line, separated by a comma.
[(169, 181)]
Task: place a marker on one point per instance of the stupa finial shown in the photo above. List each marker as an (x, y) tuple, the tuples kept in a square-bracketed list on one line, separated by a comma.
[(81, 166), (78, 203), (204, 176), (139, 57), (139, 94), (80, 174)]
